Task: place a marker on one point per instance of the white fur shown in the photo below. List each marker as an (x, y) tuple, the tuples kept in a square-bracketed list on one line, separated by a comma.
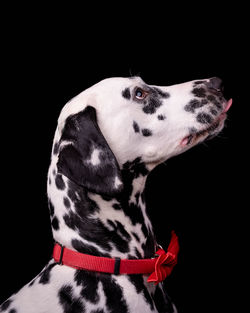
[(94, 160)]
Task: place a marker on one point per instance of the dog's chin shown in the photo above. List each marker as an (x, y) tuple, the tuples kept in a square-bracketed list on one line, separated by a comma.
[(152, 164)]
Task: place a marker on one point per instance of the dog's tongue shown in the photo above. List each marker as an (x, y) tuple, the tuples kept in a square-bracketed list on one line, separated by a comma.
[(228, 106)]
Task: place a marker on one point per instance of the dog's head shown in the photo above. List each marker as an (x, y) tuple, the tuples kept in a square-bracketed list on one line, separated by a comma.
[(123, 119)]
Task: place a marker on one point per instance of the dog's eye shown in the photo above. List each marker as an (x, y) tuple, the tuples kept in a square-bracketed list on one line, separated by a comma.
[(140, 94)]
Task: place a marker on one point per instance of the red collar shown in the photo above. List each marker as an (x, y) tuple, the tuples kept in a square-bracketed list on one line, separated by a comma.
[(160, 267)]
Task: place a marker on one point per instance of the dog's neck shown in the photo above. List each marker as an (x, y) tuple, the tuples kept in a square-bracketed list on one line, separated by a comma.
[(100, 225)]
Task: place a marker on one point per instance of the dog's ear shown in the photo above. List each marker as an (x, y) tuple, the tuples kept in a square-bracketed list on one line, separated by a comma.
[(85, 156)]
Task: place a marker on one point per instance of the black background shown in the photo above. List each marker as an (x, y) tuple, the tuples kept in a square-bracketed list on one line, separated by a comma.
[(50, 56)]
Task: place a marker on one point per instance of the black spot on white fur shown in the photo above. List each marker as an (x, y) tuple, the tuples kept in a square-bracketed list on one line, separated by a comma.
[(45, 274), (119, 228), (152, 104), (161, 117), (115, 300), (55, 223), (213, 112), (59, 182), (146, 132), (6, 305), (136, 127), (126, 93), (87, 248), (56, 148), (51, 208), (161, 93), (69, 302), (136, 236), (195, 104), (66, 202), (199, 92), (89, 281), (204, 118), (154, 99), (116, 206)]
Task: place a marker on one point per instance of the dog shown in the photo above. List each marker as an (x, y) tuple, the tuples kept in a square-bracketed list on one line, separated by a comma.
[(108, 139)]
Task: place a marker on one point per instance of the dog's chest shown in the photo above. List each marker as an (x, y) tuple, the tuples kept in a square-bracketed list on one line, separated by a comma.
[(60, 289)]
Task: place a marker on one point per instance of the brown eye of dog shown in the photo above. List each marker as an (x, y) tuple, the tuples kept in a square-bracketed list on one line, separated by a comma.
[(140, 94)]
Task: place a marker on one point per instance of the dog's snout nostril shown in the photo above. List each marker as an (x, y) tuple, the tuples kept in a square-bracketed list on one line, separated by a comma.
[(216, 83)]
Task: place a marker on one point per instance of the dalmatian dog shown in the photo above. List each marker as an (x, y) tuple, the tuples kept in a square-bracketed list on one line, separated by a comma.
[(108, 139)]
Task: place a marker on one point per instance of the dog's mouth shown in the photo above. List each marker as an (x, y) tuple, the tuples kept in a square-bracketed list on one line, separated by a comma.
[(209, 132)]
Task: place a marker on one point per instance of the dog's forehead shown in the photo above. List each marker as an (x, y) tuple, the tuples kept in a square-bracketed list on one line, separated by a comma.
[(109, 86)]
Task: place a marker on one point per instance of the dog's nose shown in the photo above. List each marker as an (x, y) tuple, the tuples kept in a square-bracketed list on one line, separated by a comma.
[(216, 83)]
